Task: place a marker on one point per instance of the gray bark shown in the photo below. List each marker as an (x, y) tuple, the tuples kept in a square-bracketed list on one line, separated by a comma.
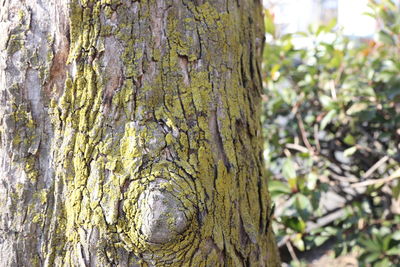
[(130, 134)]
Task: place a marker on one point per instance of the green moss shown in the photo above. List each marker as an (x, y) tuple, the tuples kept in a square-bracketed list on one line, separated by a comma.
[(15, 44), (157, 126), (35, 261), (106, 30), (37, 218)]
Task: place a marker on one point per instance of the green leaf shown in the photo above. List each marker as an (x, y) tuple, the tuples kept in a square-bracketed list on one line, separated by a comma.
[(356, 108), (390, 4), (383, 263), (287, 37), (288, 169), (326, 101), (350, 151), (350, 140), (312, 179), (319, 240), (328, 118), (396, 235), (330, 230), (393, 93), (320, 29), (298, 242), (370, 244), (274, 73), (313, 28), (303, 203), (278, 187), (294, 223), (331, 24), (386, 241), (269, 23), (371, 257), (393, 251), (385, 38), (293, 184), (372, 15), (367, 115)]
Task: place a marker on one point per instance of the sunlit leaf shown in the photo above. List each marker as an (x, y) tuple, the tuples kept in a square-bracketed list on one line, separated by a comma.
[(328, 118), (319, 240), (312, 179), (385, 38), (269, 22), (370, 244), (298, 242), (371, 257), (350, 151), (302, 202), (386, 241), (393, 251), (357, 107), (278, 187), (294, 223), (350, 140), (288, 169)]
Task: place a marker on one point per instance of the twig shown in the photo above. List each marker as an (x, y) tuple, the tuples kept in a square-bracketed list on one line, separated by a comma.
[(340, 72), (298, 103), (284, 240), (287, 153), (303, 134), (395, 175), (316, 138), (295, 108), (291, 251), (375, 166), (344, 179), (332, 86), (328, 218), (325, 220), (298, 148)]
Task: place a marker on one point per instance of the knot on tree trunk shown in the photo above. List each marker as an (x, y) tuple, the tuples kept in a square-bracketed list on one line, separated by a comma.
[(164, 216), (162, 210)]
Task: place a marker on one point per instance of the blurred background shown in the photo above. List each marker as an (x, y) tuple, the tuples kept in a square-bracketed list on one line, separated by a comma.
[(296, 15), (332, 130)]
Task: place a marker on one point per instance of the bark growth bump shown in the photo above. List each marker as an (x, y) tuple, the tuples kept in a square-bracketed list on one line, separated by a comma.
[(163, 215)]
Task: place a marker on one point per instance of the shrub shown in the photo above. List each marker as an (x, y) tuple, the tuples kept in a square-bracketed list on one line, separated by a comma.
[(332, 130)]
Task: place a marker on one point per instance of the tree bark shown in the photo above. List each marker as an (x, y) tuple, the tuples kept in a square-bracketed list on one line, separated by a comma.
[(130, 134)]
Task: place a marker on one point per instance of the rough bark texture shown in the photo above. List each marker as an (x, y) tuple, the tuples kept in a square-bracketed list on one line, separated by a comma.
[(130, 134)]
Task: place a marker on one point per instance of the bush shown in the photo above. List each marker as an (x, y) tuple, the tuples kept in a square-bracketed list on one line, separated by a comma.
[(332, 131)]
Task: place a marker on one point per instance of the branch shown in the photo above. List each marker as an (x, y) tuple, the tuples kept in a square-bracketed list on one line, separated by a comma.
[(395, 175), (303, 134), (375, 166)]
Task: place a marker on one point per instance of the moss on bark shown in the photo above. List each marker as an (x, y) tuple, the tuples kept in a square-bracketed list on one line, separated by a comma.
[(156, 137)]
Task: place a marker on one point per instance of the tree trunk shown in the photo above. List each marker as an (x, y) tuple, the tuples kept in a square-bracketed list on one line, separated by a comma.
[(130, 134)]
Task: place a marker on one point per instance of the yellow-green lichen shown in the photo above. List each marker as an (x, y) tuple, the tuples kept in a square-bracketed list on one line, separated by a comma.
[(179, 123)]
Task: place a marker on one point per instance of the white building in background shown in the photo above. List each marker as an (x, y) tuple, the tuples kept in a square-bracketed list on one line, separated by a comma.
[(295, 15)]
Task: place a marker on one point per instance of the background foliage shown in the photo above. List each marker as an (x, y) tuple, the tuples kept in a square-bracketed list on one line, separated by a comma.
[(332, 132)]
